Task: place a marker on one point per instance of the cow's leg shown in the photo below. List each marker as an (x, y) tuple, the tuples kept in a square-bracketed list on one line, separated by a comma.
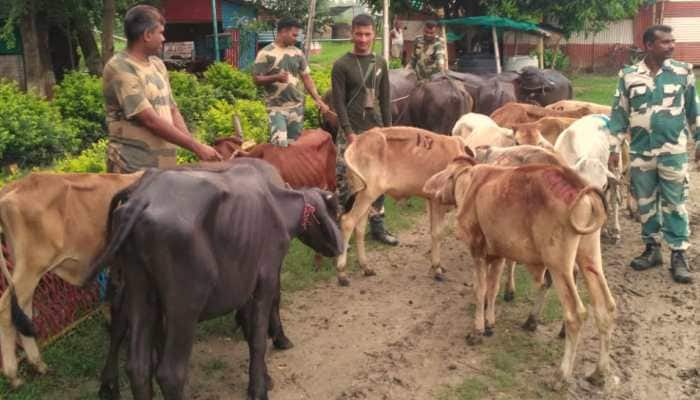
[(437, 229), (533, 319), (171, 373), (509, 294), (25, 282), (259, 379), (348, 222), (493, 282), (480, 272), (109, 386), (360, 230), (276, 332), (612, 195), (573, 317), (143, 314), (591, 265)]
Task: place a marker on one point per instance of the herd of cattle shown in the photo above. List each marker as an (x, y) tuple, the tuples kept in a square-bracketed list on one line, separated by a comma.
[(530, 185)]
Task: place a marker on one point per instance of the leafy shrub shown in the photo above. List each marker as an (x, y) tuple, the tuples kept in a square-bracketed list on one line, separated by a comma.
[(32, 131), (218, 121), (395, 63), (311, 114), (322, 79), (562, 63), (80, 101), (193, 97), (229, 83), (92, 159)]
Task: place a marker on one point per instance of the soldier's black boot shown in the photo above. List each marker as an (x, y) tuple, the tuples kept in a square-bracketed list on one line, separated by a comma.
[(679, 267), (649, 259), (379, 233)]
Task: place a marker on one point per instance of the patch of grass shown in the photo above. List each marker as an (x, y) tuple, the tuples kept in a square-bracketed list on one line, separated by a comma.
[(211, 366), (331, 51), (595, 88), (470, 389)]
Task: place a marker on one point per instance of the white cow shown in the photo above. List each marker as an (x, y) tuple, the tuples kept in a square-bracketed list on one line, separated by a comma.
[(585, 147), (470, 122)]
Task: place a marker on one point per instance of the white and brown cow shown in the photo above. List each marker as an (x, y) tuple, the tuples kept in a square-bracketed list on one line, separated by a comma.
[(543, 216), (395, 161)]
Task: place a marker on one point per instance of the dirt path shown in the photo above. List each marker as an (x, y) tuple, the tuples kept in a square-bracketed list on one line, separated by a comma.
[(400, 335)]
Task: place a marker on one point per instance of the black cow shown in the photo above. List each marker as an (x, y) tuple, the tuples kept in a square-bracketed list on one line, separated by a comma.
[(197, 243)]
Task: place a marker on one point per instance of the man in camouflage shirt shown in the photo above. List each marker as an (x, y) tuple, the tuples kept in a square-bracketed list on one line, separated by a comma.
[(144, 123), (428, 53), (279, 68), (656, 100)]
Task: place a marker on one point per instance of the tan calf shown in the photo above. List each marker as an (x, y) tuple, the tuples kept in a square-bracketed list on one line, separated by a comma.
[(396, 161), (548, 127), (543, 216), (50, 222), (517, 113)]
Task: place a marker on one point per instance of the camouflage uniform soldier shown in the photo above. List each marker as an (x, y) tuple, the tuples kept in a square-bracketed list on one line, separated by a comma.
[(143, 120), (279, 68), (428, 53), (362, 100), (656, 100)]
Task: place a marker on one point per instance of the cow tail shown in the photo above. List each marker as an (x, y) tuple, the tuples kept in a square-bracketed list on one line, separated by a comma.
[(353, 171), (20, 319), (128, 215), (599, 211)]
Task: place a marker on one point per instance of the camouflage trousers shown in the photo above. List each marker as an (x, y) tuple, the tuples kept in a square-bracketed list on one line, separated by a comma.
[(660, 185), (286, 124), (125, 156), (376, 212)]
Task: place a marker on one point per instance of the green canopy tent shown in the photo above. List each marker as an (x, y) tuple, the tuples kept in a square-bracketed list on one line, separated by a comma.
[(500, 23)]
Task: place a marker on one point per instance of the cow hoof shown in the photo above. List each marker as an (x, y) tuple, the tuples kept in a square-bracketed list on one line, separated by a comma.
[(475, 338), (440, 276), (16, 382), (109, 391), (508, 296), (343, 281), (282, 343), (488, 331), (597, 378), (531, 324), (556, 383), (369, 272)]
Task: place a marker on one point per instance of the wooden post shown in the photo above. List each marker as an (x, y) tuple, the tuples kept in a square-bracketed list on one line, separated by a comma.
[(515, 47), (496, 51), (308, 40), (385, 34), (540, 50), (215, 23)]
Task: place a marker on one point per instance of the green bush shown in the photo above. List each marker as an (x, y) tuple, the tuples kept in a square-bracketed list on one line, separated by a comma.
[(193, 98), (80, 101), (562, 63), (322, 79), (311, 114), (395, 63), (229, 83), (92, 159), (218, 121), (32, 131)]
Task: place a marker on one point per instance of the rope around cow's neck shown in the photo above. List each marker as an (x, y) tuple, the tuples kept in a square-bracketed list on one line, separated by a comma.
[(308, 213)]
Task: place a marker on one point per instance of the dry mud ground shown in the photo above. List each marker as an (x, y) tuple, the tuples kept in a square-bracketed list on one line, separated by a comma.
[(400, 335)]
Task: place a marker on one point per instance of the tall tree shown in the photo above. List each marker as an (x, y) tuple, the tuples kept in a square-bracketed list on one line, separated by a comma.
[(108, 12), (37, 62)]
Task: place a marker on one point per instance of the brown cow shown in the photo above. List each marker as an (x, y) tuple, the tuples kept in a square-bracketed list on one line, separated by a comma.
[(544, 216), (50, 222), (548, 127), (308, 162), (573, 105), (517, 113), (396, 161)]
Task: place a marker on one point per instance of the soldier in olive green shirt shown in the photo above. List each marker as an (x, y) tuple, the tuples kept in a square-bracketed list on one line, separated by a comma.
[(656, 100), (428, 53), (281, 68)]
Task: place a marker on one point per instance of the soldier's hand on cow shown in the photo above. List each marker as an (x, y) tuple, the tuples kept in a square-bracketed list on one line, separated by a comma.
[(283, 77), (614, 161), (207, 153), (323, 107)]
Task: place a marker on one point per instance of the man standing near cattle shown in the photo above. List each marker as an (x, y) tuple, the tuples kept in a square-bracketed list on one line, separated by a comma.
[(429, 51), (361, 99), (279, 68), (656, 100), (144, 123)]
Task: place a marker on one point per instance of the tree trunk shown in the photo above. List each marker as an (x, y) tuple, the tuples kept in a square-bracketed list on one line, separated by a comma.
[(108, 12), (37, 61), (89, 47)]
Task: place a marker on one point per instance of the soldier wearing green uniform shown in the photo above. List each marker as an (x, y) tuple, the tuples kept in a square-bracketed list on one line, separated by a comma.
[(656, 100), (280, 68), (145, 126), (428, 53), (361, 99)]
